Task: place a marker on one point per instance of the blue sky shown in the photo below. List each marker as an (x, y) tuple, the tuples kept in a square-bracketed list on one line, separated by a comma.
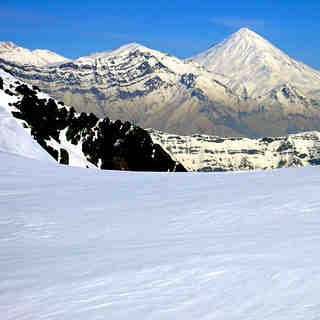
[(182, 28)]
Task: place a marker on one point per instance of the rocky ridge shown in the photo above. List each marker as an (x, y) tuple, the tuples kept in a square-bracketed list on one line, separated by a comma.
[(214, 154), (81, 139)]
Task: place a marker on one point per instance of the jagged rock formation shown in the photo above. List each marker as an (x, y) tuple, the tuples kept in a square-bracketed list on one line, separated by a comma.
[(212, 153), (243, 86), (82, 139)]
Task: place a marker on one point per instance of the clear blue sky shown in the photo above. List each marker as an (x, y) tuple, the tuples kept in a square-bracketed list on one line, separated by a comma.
[(182, 28)]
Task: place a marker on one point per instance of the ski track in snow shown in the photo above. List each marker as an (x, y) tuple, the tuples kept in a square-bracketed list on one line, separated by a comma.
[(86, 244)]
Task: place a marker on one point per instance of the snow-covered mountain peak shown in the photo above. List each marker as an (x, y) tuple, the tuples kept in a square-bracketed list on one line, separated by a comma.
[(245, 32), (242, 47), (50, 57), (250, 43), (255, 66), (5, 45), (130, 60), (120, 52), (130, 47), (12, 53)]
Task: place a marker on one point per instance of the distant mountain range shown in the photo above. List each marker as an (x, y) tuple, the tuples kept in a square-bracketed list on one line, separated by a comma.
[(34, 125), (243, 86)]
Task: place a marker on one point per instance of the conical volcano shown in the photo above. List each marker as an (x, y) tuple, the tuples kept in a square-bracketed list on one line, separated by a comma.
[(253, 66)]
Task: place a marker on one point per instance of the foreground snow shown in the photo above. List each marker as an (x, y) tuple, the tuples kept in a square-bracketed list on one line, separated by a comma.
[(88, 244), (15, 139)]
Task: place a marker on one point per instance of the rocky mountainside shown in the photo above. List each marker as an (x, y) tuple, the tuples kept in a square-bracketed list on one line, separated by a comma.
[(86, 141), (212, 153), (143, 86), (78, 139), (272, 95)]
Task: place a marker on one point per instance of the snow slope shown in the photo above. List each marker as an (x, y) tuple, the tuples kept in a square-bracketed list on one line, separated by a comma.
[(13, 137), (85, 244), (16, 138)]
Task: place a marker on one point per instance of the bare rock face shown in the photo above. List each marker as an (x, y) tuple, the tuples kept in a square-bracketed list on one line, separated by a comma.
[(211, 153), (243, 86)]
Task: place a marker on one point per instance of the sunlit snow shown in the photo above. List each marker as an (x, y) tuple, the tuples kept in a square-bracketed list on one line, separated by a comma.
[(85, 244), (253, 63)]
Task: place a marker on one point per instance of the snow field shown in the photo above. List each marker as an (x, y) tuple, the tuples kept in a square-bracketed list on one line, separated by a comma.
[(87, 244)]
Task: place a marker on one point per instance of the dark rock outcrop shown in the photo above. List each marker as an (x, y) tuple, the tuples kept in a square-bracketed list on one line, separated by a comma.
[(106, 144)]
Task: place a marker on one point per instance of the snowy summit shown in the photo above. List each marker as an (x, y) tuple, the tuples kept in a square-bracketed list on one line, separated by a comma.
[(251, 62), (40, 58)]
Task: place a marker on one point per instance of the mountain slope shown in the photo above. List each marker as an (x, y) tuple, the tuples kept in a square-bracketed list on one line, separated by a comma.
[(262, 92), (81, 244), (77, 139), (143, 86), (13, 137), (254, 66)]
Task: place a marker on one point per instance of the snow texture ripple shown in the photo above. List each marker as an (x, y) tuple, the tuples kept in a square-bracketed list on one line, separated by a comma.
[(88, 244)]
